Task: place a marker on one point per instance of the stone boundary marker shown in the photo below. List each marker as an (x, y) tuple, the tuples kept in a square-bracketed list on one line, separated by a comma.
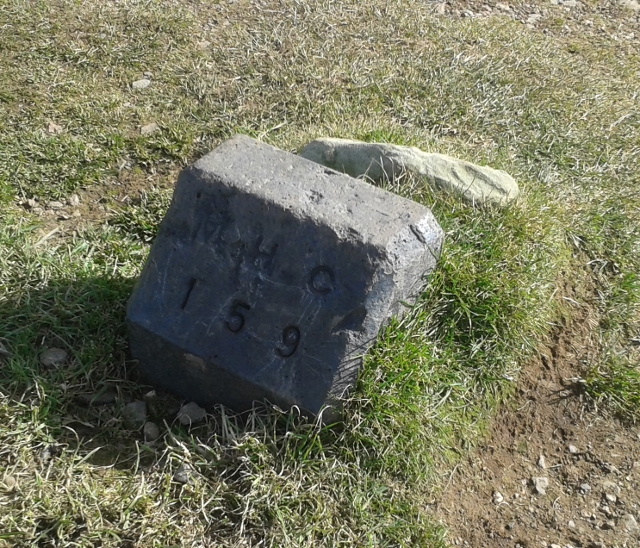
[(271, 276)]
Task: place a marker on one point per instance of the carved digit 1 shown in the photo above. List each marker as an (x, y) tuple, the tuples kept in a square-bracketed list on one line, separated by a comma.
[(290, 341), (192, 284), (235, 321)]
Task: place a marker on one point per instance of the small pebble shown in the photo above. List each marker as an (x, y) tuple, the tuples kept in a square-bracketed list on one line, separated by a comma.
[(585, 487), (54, 128), (191, 413), (629, 523), (141, 84), (49, 452), (151, 431), (52, 357), (540, 485), (611, 487), (55, 205), (148, 129), (74, 200), (608, 525), (135, 414), (183, 474), (9, 482), (542, 463), (571, 524), (497, 497), (572, 449)]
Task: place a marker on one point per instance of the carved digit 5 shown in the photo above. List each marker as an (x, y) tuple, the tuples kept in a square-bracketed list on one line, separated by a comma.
[(290, 341), (235, 321)]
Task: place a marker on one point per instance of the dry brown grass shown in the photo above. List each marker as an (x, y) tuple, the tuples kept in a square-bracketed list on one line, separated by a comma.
[(562, 119)]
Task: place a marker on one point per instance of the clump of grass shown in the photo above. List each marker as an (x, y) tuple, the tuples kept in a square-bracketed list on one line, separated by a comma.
[(616, 385), (142, 219), (455, 356), (273, 478), (52, 166)]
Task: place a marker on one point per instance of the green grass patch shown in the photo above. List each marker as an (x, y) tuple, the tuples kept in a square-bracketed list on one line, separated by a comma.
[(142, 219), (421, 394), (616, 384), (487, 91)]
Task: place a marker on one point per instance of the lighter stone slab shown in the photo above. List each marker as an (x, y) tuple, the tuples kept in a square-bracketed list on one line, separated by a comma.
[(380, 161)]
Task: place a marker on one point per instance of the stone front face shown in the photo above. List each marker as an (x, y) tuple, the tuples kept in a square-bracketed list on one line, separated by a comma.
[(271, 276)]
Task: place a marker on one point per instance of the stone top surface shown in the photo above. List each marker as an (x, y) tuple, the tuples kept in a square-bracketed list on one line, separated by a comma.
[(354, 209)]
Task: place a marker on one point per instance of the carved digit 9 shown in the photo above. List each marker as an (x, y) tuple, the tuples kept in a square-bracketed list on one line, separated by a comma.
[(290, 341), (235, 321)]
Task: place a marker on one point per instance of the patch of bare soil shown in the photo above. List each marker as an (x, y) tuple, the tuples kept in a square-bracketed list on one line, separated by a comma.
[(552, 473), (93, 205)]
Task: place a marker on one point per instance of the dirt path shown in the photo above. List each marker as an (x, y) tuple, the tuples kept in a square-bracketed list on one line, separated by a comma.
[(553, 474)]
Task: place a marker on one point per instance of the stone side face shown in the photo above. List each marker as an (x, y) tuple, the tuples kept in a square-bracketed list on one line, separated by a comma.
[(271, 276)]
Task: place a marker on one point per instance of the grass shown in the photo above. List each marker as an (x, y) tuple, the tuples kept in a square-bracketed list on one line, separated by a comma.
[(560, 115)]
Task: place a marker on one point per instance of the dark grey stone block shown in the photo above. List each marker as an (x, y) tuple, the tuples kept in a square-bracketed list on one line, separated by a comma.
[(271, 276)]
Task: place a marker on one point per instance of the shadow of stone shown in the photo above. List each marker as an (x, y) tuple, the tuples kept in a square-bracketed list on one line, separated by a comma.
[(79, 403), (85, 318)]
